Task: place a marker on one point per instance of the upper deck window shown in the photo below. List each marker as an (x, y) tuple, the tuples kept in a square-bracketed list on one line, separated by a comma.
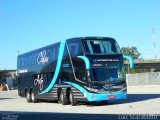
[(75, 48), (107, 46)]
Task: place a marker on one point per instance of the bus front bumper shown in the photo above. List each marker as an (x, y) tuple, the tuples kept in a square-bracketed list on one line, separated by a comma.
[(102, 97)]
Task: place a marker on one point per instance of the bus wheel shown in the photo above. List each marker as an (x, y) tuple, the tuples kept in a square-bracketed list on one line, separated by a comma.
[(72, 99), (34, 100), (63, 98), (28, 96)]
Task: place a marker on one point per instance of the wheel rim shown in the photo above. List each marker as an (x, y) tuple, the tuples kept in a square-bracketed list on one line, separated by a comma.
[(70, 97), (28, 95), (32, 96), (61, 97)]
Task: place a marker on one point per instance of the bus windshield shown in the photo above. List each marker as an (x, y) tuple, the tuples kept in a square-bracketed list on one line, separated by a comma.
[(106, 46), (107, 75)]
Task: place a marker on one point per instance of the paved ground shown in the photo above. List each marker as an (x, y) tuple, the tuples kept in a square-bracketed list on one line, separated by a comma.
[(141, 100)]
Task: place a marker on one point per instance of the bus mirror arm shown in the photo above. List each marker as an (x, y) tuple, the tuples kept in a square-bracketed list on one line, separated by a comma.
[(129, 58), (86, 60), (87, 65)]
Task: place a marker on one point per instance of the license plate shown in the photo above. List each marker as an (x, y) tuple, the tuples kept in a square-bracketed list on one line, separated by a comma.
[(111, 97)]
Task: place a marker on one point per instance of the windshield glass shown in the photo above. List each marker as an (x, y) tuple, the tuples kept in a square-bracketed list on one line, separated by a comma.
[(107, 74), (107, 46), (98, 74)]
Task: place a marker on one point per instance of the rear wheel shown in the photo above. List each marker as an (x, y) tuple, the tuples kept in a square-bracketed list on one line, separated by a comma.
[(28, 96), (33, 99), (72, 99), (63, 98)]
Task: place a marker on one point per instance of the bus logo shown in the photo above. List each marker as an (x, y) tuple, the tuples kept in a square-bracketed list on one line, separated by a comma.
[(39, 81), (42, 58)]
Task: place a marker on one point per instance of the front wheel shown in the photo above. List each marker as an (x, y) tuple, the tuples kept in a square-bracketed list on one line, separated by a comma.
[(72, 99), (28, 96)]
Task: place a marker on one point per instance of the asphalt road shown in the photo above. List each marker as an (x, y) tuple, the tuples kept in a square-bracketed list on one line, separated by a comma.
[(141, 100)]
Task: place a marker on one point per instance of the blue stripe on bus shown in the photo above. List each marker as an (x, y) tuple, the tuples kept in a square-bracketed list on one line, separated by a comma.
[(59, 62), (130, 60), (86, 60), (99, 97)]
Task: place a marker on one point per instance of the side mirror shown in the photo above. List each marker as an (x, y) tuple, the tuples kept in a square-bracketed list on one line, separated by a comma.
[(130, 60)]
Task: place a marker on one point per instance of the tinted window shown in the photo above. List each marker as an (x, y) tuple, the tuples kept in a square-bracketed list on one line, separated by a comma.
[(28, 59), (98, 74), (65, 52), (101, 47), (75, 48), (81, 74)]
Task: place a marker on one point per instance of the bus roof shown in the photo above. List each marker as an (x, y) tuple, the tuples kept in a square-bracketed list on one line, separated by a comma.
[(91, 37), (75, 38)]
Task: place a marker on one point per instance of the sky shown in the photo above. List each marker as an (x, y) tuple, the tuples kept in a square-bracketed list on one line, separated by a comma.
[(26, 25)]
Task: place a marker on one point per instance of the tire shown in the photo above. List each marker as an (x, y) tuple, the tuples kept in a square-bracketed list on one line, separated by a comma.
[(63, 98), (33, 99), (28, 96), (72, 99)]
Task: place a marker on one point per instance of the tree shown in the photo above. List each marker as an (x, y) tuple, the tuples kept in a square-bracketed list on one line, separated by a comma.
[(135, 54), (131, 51)]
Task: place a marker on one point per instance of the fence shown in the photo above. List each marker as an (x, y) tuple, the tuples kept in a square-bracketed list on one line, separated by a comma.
[(141, 79)]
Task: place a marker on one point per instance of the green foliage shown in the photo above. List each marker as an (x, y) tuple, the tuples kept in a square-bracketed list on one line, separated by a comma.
[(135, 54), (133, 71), (131, 51)]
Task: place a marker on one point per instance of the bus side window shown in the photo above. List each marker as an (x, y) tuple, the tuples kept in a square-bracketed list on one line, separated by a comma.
[(75, 49), (80, 74), (65, 52)]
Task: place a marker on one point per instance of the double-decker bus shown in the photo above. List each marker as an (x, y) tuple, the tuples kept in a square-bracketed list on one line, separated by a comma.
[(74, 70)]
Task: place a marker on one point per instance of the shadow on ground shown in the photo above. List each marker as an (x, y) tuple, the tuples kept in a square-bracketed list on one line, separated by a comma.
[(55, 116), (9, 115), (6, 98)]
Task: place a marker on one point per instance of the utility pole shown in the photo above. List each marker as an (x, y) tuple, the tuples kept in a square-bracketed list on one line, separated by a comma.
[(154, 42)]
